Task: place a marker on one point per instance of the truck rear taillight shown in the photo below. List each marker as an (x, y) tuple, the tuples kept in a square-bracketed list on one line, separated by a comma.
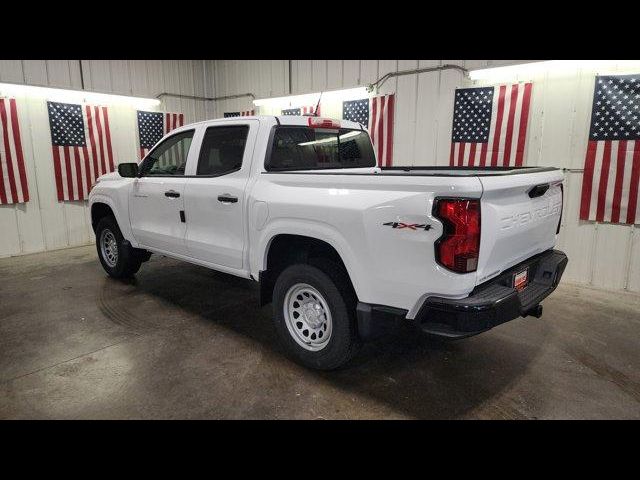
[(317, 122), (459, 246)]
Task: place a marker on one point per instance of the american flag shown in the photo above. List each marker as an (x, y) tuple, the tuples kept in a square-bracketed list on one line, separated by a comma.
[(490, 125), (13, 177), (612, 164), (152, 126), (308, 110), (377, 114), (76, 163), (243, 113)]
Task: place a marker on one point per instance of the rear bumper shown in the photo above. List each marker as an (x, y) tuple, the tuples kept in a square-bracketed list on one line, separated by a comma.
[(496, 301), (490, 304)]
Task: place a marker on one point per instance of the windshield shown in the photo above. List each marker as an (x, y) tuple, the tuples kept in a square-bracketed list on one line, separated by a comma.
[(304, 148)]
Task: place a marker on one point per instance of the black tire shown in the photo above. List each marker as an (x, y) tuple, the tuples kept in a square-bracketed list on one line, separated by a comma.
[(331, 282), (129, 259)]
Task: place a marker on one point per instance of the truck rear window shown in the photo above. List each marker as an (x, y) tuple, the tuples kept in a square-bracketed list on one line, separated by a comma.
[(304, 148)]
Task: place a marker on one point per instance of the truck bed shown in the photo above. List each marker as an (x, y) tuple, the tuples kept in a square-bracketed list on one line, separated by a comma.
[(427, 171), (463, 171)]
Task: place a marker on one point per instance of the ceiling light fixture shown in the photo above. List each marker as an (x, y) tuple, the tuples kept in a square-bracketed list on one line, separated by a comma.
[(76, 96)]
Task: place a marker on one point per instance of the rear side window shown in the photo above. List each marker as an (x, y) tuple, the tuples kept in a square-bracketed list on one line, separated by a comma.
[(304, 148), (222, 150)]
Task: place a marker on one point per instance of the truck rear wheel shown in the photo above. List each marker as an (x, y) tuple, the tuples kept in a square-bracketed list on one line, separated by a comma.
[(118, 258), (314, 314)]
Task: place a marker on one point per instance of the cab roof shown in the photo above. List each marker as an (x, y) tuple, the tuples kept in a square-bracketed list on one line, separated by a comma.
[(300, 120)]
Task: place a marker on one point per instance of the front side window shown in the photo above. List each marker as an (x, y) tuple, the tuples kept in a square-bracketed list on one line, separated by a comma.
[(170, 157), (304, 148), (222, 150)]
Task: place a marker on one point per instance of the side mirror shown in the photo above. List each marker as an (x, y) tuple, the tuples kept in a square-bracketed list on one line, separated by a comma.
[(128, 170)]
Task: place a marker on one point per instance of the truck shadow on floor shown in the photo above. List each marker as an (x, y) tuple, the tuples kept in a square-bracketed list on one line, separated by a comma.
[(411, 374)]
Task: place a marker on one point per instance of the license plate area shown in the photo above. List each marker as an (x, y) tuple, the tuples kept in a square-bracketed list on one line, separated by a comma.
[(521, 279)]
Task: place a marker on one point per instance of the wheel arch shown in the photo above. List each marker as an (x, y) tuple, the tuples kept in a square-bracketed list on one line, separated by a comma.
[(284, 249), (99, 210), (101, 205)]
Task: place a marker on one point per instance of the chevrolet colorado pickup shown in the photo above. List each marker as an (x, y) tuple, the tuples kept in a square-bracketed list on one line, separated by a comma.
[(341, 248)]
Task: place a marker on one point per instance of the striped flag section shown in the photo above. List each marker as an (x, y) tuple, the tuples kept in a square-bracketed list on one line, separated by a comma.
[(611, 176), (13, 176), (243, 113), (381, 128), (490, 126), (305, 110), (377, 113), (152, 126), (78, 163), (310, 109), (610, 182)]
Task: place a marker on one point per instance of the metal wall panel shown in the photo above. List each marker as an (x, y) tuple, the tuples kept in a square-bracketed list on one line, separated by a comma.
[(350, 73), (198, 90), (577, 238), (279, 78), (210, 88), (369, 71), (43, 223), (449, 81), (334, 74), (11, 71), (97, 75), (319, 75), (120, 77), (405, 114), (139, 78), (633, 277), (34, 72), (426, 129)]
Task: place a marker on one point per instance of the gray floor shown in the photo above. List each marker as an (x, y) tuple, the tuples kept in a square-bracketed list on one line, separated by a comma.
[(185, 342)]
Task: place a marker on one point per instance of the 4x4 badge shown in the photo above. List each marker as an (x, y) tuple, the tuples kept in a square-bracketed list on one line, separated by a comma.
[(410, 226)]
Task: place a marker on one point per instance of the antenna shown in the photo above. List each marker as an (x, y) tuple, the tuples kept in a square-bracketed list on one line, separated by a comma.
[(315, 113)]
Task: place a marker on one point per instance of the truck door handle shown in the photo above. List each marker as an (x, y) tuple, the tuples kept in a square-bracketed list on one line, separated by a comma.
[(226, 198), (172, 194)]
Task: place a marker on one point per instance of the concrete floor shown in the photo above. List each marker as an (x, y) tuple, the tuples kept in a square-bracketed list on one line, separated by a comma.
[(182, 341)]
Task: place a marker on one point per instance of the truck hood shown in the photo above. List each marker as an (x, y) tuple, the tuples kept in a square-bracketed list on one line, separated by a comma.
[(109, 177)]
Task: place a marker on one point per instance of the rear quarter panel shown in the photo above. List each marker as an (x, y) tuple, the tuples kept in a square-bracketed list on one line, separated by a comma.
[(388, 266)]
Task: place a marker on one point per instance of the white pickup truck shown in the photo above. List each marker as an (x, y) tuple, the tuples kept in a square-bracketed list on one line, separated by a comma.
[(341, 248)]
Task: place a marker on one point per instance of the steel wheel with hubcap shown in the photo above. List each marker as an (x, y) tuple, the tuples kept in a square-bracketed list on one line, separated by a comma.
[(117, 257), (109, 247), (308, 317), (314, 314)]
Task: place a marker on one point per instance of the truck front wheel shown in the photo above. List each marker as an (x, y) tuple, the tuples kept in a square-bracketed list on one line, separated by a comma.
[(118, 258), (314, 314)]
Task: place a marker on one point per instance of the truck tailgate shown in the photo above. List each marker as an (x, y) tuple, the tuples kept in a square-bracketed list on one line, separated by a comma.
[(519, 217)]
